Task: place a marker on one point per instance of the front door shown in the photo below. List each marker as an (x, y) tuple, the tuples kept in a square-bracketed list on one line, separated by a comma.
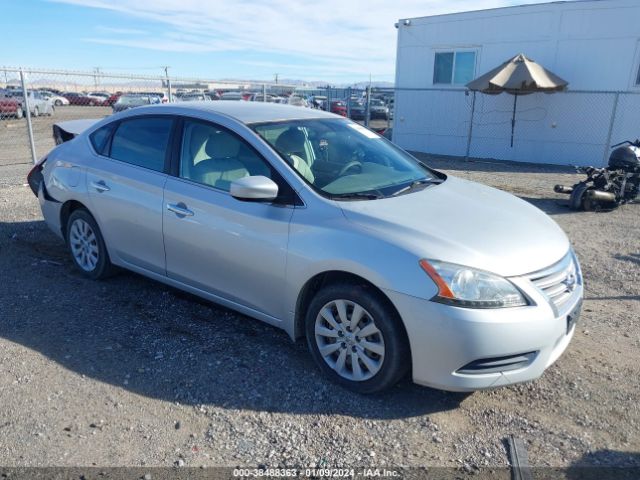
[(231, 248)]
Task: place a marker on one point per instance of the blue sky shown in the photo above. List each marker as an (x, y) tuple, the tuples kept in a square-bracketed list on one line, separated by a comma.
[(340, 41)]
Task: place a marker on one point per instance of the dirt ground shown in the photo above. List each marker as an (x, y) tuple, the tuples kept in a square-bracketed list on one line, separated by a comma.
[(129, 372)]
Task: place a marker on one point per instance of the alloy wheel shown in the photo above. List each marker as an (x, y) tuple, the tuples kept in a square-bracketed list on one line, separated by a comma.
[(349, 340), (84, 245)]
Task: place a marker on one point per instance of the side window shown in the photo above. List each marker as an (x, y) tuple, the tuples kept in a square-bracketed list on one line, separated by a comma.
[(100, 139), (214, 156), (142, 142)]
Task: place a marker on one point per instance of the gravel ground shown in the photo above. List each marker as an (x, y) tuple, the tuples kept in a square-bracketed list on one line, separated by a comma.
[(129, 372)]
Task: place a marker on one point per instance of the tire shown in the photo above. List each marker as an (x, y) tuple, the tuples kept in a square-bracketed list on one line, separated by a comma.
[(577, 196), (86, 246), (381, 363), (19, 113), (58, 103)]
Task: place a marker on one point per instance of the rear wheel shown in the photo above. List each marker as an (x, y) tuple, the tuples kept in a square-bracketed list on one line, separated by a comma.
[(87, 247), (58, 103), (356, 338), (578, 200)]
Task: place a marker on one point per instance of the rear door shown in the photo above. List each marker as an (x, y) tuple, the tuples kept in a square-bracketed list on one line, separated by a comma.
[(125, 185)]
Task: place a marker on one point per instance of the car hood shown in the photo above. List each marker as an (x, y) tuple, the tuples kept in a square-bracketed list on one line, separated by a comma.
[(465, 223)]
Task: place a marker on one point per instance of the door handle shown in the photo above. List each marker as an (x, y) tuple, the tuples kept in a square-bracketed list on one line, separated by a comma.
[(179, 209), (100, 186)]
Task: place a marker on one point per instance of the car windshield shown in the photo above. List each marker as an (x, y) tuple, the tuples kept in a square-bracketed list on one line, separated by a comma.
[(342, 159)]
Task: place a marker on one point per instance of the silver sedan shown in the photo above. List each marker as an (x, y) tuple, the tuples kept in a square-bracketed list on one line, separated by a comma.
[(312, 223)]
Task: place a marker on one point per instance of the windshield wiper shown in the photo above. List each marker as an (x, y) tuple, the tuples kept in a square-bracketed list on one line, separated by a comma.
[(412, 186), (357, 196)]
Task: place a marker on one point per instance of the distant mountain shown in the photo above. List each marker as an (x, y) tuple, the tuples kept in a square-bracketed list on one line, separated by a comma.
[(314, 83)]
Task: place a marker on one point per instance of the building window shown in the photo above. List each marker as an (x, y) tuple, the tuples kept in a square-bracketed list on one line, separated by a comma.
[(454, 68)]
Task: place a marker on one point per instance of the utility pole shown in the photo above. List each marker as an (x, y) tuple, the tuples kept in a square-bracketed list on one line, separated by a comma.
[(368, 104), (166, 75), (276, 77), (96, 77)]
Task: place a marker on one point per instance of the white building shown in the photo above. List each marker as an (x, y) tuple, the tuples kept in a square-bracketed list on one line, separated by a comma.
[(593, 44)]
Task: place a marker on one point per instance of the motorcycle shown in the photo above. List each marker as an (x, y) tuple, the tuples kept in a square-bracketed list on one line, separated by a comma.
[(609, 187)]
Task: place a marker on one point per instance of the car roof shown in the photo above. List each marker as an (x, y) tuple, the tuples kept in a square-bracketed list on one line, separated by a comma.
[(245, 112)]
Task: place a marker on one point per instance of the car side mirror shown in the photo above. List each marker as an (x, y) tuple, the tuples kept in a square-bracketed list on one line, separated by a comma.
[(256, 188)]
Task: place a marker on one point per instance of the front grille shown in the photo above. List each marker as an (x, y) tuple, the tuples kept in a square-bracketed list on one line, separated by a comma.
[(499, 364), (559, 281)]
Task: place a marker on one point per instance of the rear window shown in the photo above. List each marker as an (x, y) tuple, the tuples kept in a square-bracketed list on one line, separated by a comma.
[(142, 142), (100, 139)]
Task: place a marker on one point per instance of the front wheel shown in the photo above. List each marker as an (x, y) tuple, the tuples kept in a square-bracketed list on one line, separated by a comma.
[(87, 247), (357, 338)]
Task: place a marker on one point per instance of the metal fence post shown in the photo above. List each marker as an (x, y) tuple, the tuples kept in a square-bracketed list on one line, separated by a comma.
[(473, 109), (367, 112), (27, 111), (349, 102), (264, 92), (166, 75), (607, 145)]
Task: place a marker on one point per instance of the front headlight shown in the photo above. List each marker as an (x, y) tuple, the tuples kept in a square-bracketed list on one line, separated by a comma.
[(467, 287)]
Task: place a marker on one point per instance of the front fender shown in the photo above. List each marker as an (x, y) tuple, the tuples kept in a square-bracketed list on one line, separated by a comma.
[(340, 246)]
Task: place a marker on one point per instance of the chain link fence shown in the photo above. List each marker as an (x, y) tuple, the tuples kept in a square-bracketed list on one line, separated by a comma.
[(569, 128), (32, 100)]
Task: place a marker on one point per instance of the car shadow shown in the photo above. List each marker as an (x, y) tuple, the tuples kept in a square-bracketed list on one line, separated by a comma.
[(604, 465), (153, 340)]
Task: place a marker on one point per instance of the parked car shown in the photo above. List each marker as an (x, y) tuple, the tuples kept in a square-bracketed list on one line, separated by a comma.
[(356, 109), (339, 107), (101, 97), (113, 98), (378, 109), (38, 105), (82, 99), (212, 94), (317, 225), (318, 101), (231, 96), (195, 97), (258, 97), (54, 98), (10, 107), (297, 101), (157, 97), (125, 102)]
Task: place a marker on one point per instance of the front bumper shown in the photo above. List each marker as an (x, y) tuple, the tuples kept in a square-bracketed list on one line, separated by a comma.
[(444, 339)]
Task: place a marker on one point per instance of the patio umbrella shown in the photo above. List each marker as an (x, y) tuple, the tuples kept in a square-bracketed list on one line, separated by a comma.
[(518, 76)]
